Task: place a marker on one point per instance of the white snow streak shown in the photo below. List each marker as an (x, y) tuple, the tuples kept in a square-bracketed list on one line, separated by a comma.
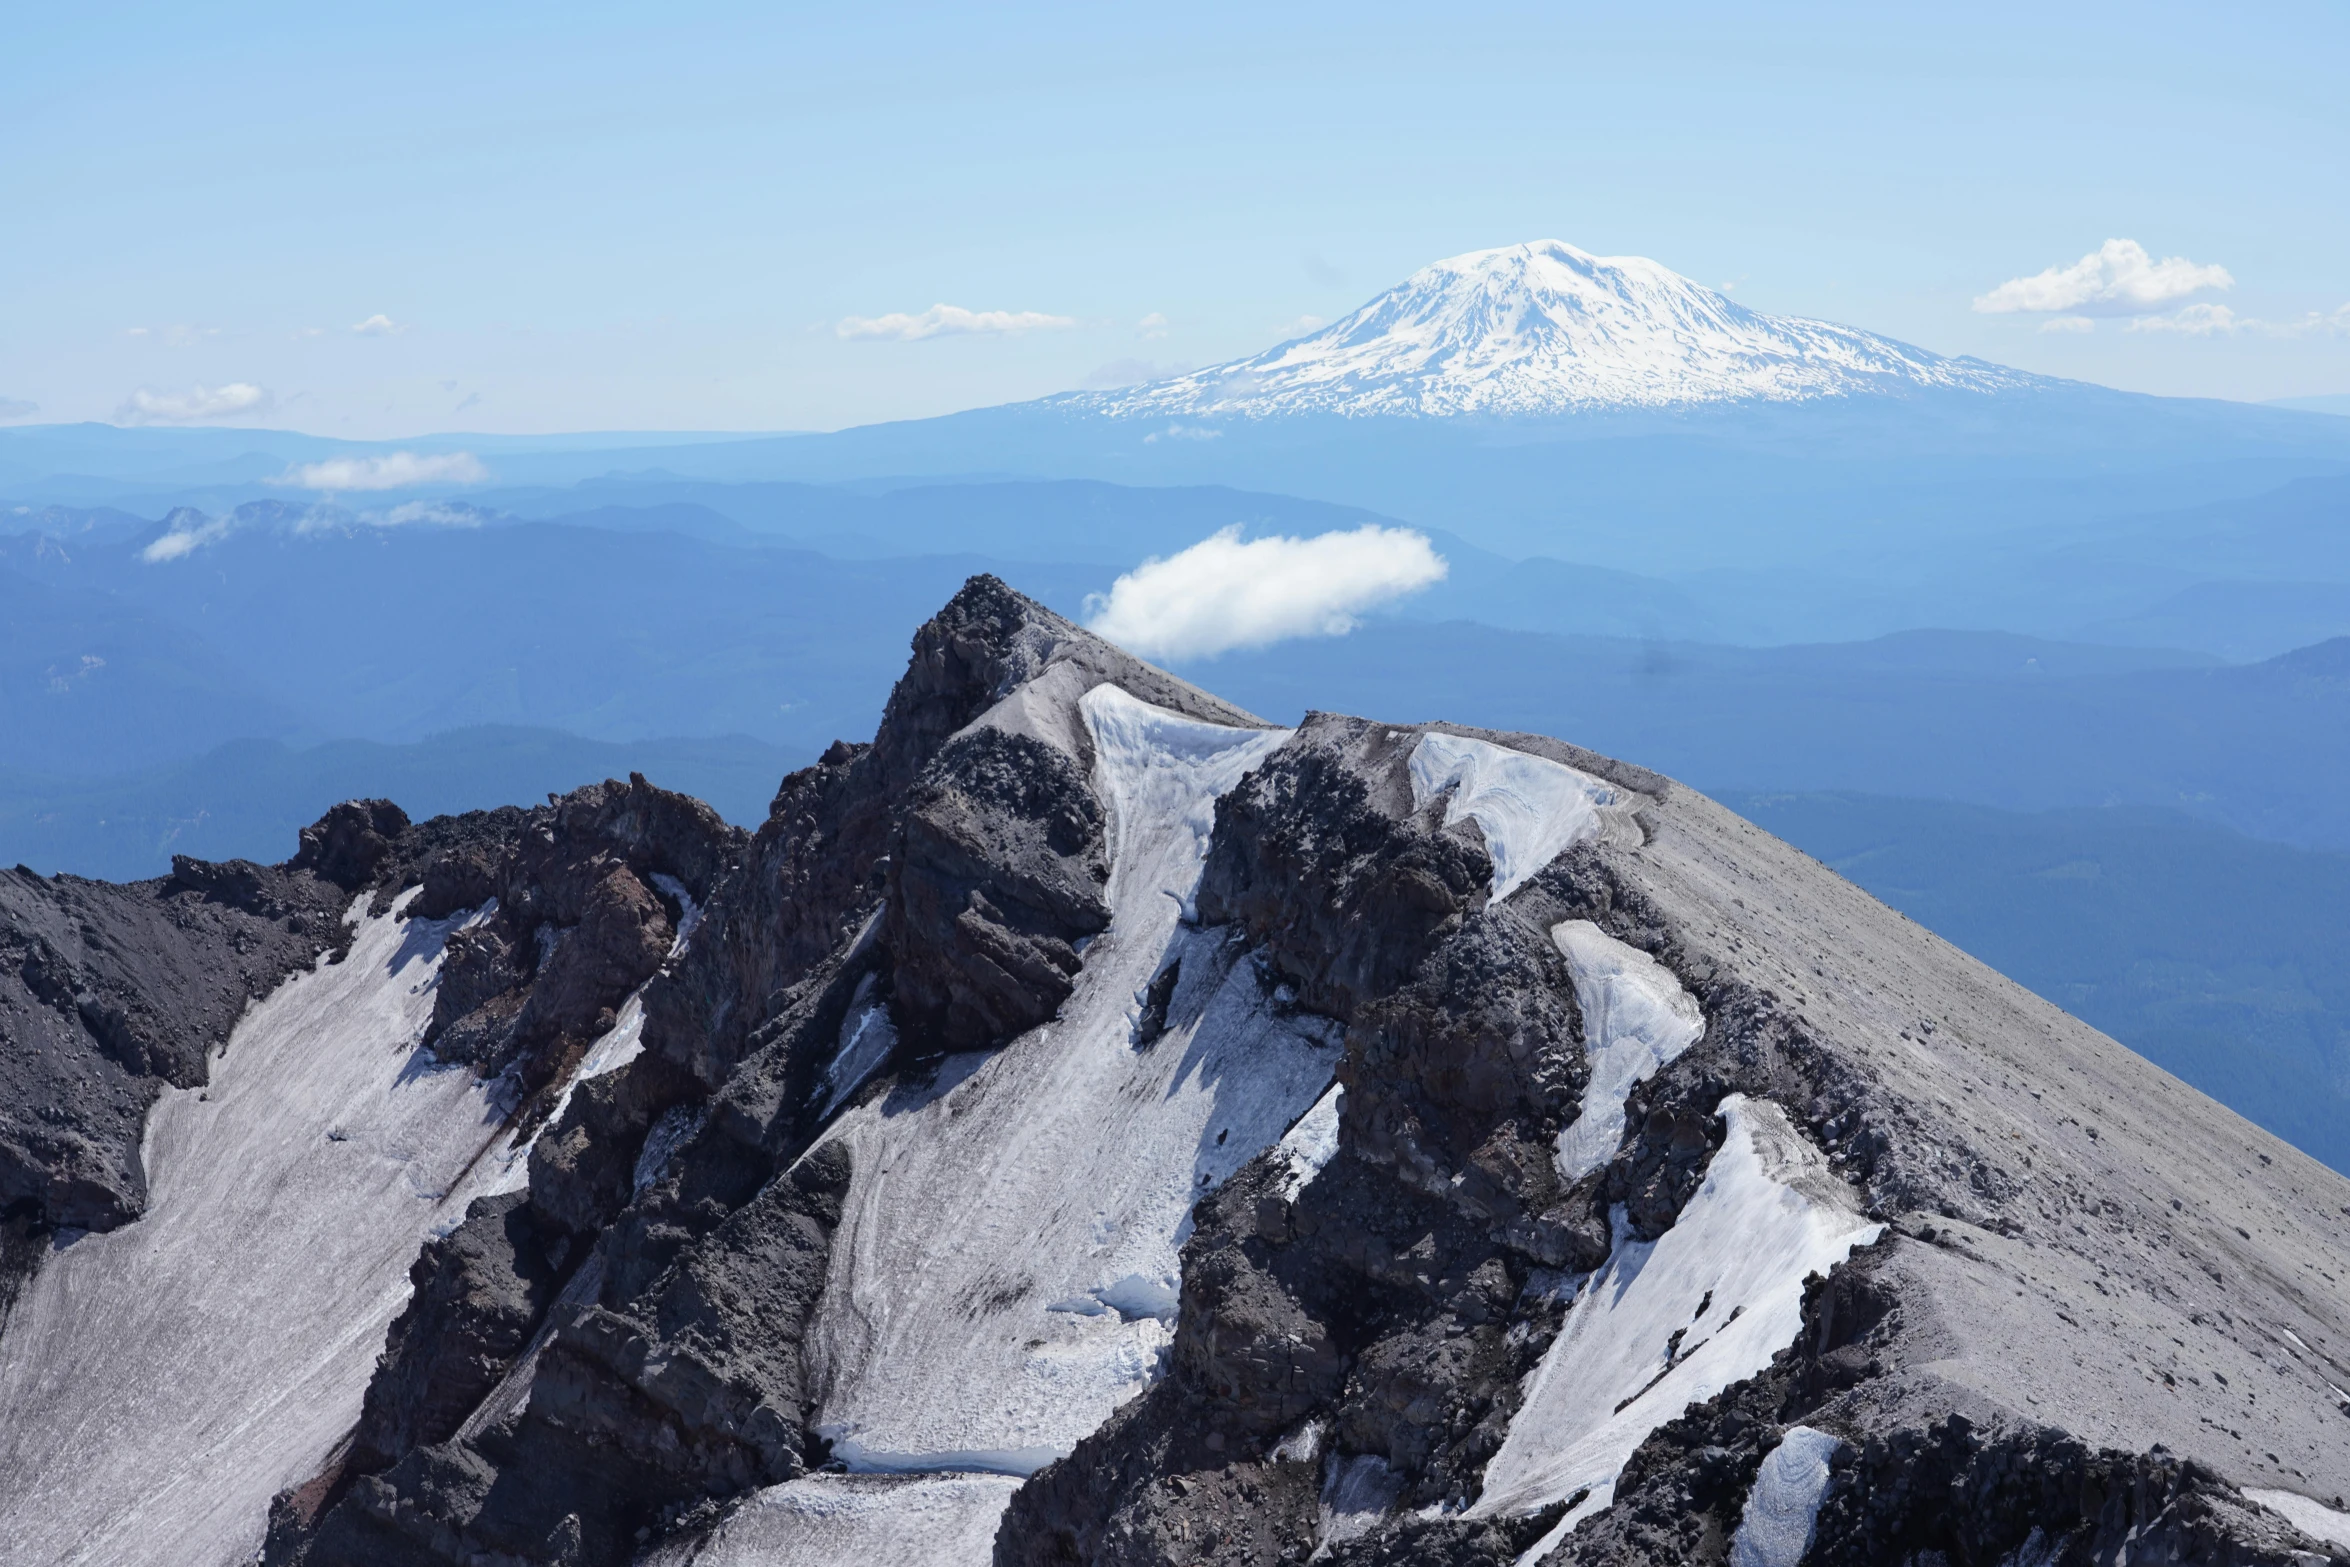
[(1783, 1508), (1729, 1274), (1531, 809), (163, 1381), (1311, 1144), (936, 1520), (1060, 1171), (1636, 1017)]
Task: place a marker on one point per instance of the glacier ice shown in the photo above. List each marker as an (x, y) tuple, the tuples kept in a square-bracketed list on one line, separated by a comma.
[(1532, 809), (1670, 1322), (163, 1381), (1007, 1255), (1636, 1017), (1783, 1506)]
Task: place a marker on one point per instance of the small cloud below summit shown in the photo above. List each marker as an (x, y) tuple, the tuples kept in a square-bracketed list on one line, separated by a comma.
[(1225, 593), (392, 471), (948, 320), (2119, 278), (378, 325)]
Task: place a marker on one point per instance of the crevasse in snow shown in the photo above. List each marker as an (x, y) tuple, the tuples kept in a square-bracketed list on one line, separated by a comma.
[(1670, 1322), (1531, 809), (163, 1381), (1636, 1017), (1008, 1248), (1783, 1505)]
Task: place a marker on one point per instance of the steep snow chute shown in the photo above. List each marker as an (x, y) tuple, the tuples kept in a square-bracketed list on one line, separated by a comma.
[(1636, 1017), (1008, 1253), (1670, 1322)]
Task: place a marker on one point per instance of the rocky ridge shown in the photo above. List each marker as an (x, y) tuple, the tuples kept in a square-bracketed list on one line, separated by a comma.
[(2032, 1300)]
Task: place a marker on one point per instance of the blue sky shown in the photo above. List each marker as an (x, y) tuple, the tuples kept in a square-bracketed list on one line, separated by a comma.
[(586, 216)]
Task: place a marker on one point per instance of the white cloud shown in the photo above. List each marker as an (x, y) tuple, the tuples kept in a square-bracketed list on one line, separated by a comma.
[(189, 531), (940, 320), (2197, 321), (378, 325), (1131, 372), (1225, 593), (1152, 326), (2117, 279), (2220, 321), (194, 405), (392, 471), (1299, 327), (2068, 324), (17, 408), (436, 514), (1182, 432)]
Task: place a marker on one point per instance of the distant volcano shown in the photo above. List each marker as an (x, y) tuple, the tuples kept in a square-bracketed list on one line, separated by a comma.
[(1544, 328)]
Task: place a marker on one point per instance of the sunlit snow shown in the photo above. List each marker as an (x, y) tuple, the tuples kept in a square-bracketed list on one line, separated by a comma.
[(163, 1381), (1008, 1252), (1670, 1322), (931, 1520), (1531, 809), (1636, 1017), (1544, 328)]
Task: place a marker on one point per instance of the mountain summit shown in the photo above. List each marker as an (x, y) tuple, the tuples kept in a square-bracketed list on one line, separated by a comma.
[(1544, 328), (1090, 1127)]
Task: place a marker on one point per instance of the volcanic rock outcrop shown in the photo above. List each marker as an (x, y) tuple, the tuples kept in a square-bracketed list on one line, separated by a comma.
[(1090, 1125)]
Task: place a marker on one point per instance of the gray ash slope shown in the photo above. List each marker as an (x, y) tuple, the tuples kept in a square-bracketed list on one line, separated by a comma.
[(976, 1196)]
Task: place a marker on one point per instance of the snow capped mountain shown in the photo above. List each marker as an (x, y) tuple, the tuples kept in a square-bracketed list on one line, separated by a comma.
[(1544, 328)]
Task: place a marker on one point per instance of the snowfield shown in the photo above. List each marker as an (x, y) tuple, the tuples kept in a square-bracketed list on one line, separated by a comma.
[(163, 1381)]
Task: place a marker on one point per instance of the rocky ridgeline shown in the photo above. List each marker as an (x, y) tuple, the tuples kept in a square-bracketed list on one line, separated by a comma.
[(2083, 1313)]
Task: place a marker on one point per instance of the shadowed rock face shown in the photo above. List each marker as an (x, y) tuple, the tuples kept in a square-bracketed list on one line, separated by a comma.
[(2075, 1311)]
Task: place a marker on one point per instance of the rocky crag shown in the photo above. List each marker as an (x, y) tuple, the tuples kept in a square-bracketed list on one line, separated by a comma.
[(1089, 1125)]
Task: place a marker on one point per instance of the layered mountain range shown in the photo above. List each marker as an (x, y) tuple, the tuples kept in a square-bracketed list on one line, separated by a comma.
[(1088, 1124)]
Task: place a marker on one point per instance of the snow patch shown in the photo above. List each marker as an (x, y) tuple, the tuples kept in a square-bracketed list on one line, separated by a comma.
[(1670, 1322), (867, 1038), (1010, 1244), (1532, 809), (829, 1520), (2314, 1519), (1783, 1508), (1311, 1144), (1636, 1017), (163, 1381), (1357, 1494)]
